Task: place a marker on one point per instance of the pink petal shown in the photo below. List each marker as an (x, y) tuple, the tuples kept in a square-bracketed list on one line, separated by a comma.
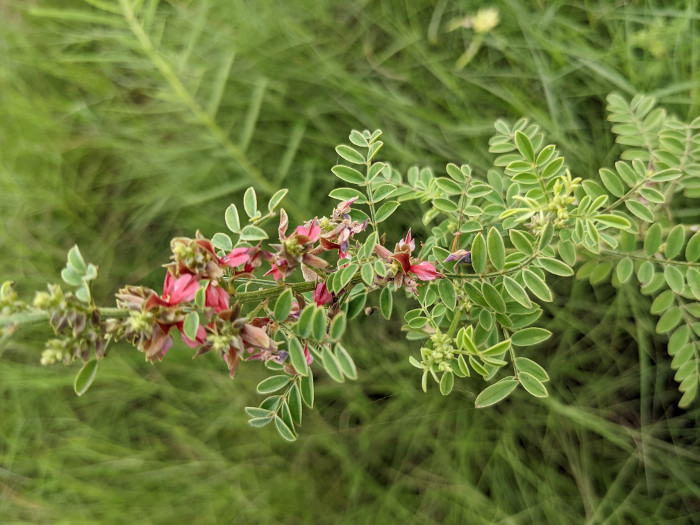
[(322, 295), (232, 361), (183, 289), (346, 204), (307, 355), (159, 343), (167, 345), (425, 271), (168, 284), (201, 336), (312, 232), (155, 300), (295, 311), (405, 260), (275, 271), (255, 336), (408, 241), (237, 257), (284, 222)]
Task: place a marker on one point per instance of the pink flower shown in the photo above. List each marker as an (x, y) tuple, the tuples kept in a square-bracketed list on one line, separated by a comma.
[(322, 295), (177, 290), (217, 298), (312, 232), (338, 230), (294, 250), (249, 258), (425, 271), (256, 338), (403, 274), (195, 256)]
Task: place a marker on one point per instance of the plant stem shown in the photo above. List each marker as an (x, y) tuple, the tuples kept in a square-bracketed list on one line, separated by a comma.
[(616, 253), (370, 201), (493, 274), (33, 318), (455, 323), (24, 319), (261, 295), (470, 52)]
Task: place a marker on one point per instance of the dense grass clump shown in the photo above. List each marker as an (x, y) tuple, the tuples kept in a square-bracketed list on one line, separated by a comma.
[(125, 123)]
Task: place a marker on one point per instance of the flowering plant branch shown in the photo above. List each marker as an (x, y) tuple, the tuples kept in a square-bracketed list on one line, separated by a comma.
[(476, 278)]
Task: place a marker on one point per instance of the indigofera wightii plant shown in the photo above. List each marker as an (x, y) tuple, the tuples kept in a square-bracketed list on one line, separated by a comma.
[(476, 279)]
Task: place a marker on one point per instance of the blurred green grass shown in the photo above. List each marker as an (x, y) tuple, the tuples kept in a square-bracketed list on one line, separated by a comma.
[(119, 132)]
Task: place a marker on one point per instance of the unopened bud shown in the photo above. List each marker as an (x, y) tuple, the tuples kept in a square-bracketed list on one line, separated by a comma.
[(42, 300)]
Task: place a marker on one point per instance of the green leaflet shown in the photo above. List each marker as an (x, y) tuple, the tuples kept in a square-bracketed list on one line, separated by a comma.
[(495, 393)]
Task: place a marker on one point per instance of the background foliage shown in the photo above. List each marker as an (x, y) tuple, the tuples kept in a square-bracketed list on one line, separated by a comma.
[(126, 123)]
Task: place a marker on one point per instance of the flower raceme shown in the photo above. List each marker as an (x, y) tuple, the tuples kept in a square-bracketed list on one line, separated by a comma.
[(196, 264)]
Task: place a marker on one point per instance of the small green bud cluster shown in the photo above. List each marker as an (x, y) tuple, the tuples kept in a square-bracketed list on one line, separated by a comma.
[(78, 325), (560, 202), (536, 223), (51, 300), (188, 254), (218, 342), (393, 268), (65, 350), (141, 321), (326, 224), (292, 247), (9, 302), (145, 329), (225, 333), (55, 352), (441, 354)]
